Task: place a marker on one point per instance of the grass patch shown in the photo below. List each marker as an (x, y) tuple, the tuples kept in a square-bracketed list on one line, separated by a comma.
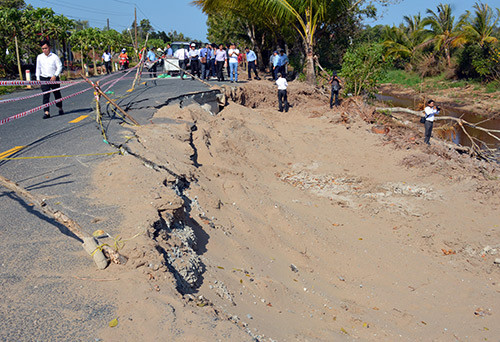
[(403, 78), (7, 90), (492, 87)]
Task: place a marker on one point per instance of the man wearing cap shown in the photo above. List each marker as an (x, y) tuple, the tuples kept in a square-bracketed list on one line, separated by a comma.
[(182, 55), (252, 60), (194, 60), (48, 68)]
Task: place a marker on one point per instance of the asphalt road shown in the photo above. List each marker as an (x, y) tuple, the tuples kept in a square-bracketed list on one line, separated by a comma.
[(39, 300)]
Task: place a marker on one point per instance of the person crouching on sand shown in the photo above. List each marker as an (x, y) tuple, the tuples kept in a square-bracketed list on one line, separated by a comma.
[(282, 93)]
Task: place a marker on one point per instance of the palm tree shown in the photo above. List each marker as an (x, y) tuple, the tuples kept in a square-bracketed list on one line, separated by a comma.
[(404, 41), (305, 16), (445, 33), (480, 28)]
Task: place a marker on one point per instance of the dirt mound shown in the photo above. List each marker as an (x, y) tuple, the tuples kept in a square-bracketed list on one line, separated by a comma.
[(260, 225)]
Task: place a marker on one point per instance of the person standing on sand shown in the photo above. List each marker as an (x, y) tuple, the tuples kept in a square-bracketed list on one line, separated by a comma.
[(335, 82), (48, 68), (430, 111), (220, 62), (251, 60), (233, 55), (282, 93)]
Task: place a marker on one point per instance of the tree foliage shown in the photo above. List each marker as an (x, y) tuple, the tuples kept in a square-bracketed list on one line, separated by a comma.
[(363, 68)]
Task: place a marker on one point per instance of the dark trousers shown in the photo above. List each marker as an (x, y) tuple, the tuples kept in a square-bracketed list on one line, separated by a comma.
[(220, 68), (252, 66), (335, 94), (152, 70), (213, 72), (195, 67), (205, 69), (283, 100), (47, 87), (275, 72), (428, 131), (183, 66), (108, 67)]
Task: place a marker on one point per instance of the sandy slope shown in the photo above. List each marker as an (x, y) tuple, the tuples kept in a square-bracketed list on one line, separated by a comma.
[(299, 226)]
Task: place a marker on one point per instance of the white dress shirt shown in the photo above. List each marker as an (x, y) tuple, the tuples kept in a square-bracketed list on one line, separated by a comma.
[(48, 66), (430, 112), (282, 83), (181, 54)]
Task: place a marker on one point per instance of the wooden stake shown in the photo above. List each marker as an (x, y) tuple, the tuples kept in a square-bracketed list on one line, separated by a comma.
[(99, 91), (60, 217)]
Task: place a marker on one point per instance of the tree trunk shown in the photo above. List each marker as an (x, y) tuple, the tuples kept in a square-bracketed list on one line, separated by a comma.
[(308, 44), (18, 59), (93, 59), (309, 68)]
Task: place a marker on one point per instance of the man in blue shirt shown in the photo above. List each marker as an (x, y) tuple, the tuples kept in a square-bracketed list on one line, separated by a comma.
[(274, 61), (168, 51), (252, 60), (282, 62), (151, 58), (205, 56)]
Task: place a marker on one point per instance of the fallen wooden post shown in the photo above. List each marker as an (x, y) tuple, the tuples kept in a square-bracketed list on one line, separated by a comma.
[(99, 90), (89, 243)]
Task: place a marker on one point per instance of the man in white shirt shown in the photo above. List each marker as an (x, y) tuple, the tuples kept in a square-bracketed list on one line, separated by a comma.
[(106, 58), (430, 111), (282, 93), (48, 68), (233, 54), (182, 55), (194, 60)]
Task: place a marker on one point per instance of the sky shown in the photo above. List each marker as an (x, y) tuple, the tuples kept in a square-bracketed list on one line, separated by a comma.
[(394, 14), (181, 16)]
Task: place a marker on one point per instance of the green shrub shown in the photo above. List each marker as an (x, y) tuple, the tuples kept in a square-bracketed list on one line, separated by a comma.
[(363, 68)]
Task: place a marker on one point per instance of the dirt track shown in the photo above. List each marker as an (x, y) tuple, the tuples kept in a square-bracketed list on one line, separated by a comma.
[(300, 226)]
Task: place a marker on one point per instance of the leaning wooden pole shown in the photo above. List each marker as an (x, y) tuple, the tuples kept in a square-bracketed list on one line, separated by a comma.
[(100, 92), (89, 244)]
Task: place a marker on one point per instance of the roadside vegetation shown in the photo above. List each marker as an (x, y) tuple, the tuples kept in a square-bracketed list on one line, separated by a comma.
[(434, 49)]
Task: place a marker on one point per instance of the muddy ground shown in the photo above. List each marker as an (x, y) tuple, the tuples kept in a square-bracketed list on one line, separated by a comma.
[(302, 226)]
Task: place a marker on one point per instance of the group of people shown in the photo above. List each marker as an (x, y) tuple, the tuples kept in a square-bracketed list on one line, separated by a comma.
[(204, 62), (210, 60)]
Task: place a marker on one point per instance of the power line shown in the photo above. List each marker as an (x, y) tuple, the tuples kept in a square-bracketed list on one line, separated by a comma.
[(64, 4)]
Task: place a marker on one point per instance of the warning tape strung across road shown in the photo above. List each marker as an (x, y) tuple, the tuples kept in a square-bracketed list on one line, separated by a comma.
[(25, 83), (31, 111), (37, 94), (120, 78)]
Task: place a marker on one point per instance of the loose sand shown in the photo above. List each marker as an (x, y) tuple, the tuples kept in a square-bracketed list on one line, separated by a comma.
[(300, 226)]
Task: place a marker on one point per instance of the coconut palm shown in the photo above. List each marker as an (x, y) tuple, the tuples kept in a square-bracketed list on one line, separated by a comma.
[(406, 39), (445, 33), (481, 27), (305, 16)]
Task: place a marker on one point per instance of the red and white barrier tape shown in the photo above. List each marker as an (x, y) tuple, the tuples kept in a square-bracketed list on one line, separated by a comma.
[(25, 83), (120, 78), (31, 111), (37, 94)]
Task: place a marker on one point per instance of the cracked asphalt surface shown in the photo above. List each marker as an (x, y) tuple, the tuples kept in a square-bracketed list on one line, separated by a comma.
[(39, 259)]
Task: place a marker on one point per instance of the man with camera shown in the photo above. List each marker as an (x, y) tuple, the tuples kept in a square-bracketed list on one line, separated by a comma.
[(430, 111)]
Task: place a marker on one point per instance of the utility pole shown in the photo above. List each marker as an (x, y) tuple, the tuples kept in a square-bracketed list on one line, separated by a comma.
[(108, 23), (135, 28)]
